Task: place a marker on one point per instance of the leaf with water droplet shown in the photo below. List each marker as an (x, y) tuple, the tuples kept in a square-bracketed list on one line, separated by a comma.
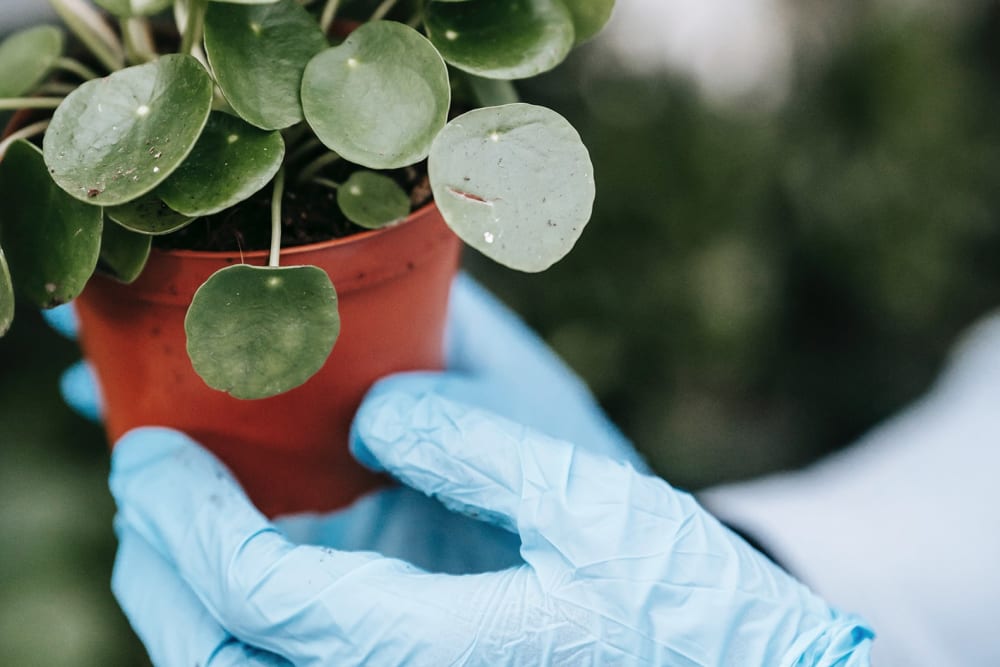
[(114, 139), (123, 252), (6, 296), (501, 39), (380, 98), (27, 57), (372, 200), (232, 161), (256, 332), (515, 182), (52, 240)]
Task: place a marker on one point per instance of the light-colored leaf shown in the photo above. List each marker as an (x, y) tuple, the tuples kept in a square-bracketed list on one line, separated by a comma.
[(27, 57), (6, 296), (372, 200)]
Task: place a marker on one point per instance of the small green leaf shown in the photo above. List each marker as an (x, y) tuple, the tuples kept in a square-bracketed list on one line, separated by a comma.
[(380, 98), (501, 39), (52, 240), (113, 140), (231, 161), (258, 53), (26, 58), (148, 215), (256, 332), (129, 8), (589, 16), (6, 296), (372, 200), (514, 182), (123, 252)]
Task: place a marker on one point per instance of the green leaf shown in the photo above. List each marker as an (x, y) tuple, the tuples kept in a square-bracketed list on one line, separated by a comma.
[(589, 16), (148, 215), (258, 53), (27, 57), (112, 140), (380, 98), (372, 200), (256, 332), (123, 252), (514, 182), (231, 161), (129, 8), (52, 240), (6, 296), (501, 39)]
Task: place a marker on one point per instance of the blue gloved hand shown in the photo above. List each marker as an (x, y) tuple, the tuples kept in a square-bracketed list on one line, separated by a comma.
[(619, 568)]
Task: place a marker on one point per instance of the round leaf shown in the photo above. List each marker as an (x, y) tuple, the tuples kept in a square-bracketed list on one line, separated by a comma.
[(52, 240), (231, 161), (256, 332), (123, 252), (258, 53), (501, 39), (26, 57), (113, 140), (6, 296), (380, 98), (514, 182), (148, 215), (130, 8), (589, 16), (372, 200)]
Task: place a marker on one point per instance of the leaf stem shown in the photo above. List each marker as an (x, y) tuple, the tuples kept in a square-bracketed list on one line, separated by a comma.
[(15, 103), (382, 10), (326, 183), (76, 67), (279, 192), (328, 15), (302, 150), (93, 31), (138, 38), (317, 166), (25, 132), (195, 25)]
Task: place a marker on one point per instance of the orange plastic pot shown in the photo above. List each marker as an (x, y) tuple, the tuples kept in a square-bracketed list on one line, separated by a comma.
[(290, 451)]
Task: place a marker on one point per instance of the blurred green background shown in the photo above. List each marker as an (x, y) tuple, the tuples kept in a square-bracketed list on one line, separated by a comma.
[(762, 281)]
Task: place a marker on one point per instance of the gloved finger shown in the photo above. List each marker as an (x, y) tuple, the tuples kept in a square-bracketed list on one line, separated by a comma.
[(81, 391), (172, 623), (480, 464), (531, 384), (63, 319), (309, 604)]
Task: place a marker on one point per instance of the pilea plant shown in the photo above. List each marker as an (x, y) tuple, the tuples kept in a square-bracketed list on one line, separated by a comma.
[(163, 112)]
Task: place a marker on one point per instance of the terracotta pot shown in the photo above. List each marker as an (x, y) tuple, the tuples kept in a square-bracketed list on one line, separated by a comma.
[(289, 451)]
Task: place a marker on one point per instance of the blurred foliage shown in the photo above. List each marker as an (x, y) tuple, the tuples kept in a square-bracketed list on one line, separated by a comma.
[(758, 287)]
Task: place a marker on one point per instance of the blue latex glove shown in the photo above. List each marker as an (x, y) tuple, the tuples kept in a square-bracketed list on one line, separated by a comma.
[(619, 568)]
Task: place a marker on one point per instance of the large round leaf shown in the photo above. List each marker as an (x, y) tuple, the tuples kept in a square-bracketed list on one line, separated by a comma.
[(372, 200), (501, 39), (514, 182), (113, 140), (124, 252), (6, 296), (148, 215), (256, 332), (26, 58), (231, 161), (258, 53), (129, 8), (380, 98), (589, 16), (52, 240)]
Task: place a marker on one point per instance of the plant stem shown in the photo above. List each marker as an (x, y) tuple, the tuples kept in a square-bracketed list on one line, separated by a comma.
[(93, 31), (24, 133), (302, 150), (139, 47), (279, 192), (195, 24), (317, 166), (326, 183), (382, 10), (76, 67), (15, 103), (329, 13)]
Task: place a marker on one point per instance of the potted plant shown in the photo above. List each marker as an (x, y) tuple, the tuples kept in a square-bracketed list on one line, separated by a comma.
[(230, 186)]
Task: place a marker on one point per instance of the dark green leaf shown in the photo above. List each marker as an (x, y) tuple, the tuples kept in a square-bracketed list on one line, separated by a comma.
[(148, 215), (258, 53), (26, 58), (501, 39), (123, 252), (231, 161), (514, 182), (589, 16), (256, 332), (372, 200), (115, 139), (52, 240), (380, 98)]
